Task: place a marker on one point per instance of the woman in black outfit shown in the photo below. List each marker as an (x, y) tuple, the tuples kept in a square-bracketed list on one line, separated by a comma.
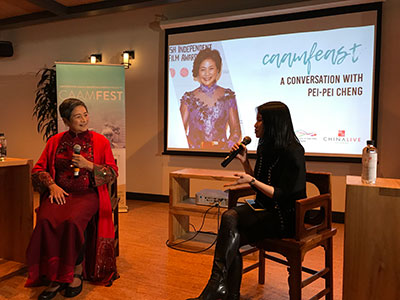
[(279, 179)]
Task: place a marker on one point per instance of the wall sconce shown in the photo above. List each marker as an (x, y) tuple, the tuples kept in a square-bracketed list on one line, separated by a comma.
[(95, 58), (126, 56)]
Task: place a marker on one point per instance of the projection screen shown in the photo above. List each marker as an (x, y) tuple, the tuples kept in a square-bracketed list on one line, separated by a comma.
[(321, 64)]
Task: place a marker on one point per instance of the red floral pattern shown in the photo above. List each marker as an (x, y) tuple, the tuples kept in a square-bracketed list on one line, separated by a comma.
[(105, 267), (41, 181)]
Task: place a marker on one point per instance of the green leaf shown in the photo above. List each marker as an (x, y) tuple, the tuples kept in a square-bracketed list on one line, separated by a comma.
[(45, 108)]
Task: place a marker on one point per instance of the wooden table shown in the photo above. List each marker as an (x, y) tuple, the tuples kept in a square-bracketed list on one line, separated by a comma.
[(372, 240), (16, 213), (182, 206)]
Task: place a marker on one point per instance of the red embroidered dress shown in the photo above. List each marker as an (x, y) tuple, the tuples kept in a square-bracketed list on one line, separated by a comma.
[(59, 233)]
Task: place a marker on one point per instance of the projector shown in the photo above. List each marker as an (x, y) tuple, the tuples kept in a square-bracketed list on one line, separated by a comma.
[(211, 197)]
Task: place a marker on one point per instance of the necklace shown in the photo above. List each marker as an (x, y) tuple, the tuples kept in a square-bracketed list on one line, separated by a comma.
[(208, 90)]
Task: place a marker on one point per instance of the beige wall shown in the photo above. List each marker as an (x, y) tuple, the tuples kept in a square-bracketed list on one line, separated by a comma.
[(147, 169)]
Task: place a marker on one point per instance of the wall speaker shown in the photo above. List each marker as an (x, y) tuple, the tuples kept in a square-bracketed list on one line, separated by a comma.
[(6, 49)]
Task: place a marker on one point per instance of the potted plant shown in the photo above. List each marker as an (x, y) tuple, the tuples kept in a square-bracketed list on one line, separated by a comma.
[(45, 109)]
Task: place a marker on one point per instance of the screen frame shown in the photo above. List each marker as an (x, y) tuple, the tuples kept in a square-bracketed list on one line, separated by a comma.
[(276, 19)]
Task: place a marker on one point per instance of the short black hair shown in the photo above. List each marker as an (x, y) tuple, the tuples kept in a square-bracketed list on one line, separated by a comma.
[(68, 105), (278, 127), (203, 55)]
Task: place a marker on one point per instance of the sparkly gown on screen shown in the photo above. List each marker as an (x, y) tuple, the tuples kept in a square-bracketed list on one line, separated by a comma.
[(207, 125)]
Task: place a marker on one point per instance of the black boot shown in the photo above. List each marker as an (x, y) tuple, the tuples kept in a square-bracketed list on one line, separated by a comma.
[(213, 291), (225, 251), (216, 287), (235, 277)]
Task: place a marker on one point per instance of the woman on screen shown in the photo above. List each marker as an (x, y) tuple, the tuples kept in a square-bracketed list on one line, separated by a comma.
[(209, 110), (279, 179), (74, 232)]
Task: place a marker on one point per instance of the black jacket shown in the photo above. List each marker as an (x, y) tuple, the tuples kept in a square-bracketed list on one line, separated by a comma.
[(286, 172)]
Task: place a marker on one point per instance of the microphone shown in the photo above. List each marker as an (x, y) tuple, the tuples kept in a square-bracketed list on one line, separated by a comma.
[(77, 150), (232, 155)]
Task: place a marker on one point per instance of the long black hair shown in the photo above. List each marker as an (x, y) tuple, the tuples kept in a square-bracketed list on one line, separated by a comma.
[(278, 127)]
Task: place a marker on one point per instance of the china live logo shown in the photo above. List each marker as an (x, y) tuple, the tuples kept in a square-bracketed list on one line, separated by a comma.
[(341, 138)]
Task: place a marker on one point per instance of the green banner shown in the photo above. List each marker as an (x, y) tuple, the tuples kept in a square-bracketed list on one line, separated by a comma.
[(102, 89)]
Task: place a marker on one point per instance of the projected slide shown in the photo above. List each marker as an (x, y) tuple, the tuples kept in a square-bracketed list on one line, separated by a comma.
[(325, 77)]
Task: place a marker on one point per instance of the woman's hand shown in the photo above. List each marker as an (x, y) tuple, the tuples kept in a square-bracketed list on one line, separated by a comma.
[(81, 162), (57, 194), (242, 155), (242, 178)]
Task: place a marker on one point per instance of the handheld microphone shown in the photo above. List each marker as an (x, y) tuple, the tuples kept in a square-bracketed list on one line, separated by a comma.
[(77, 150), (232, 155)]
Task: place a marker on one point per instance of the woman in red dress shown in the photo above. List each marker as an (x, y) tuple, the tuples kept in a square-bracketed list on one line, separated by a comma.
[(74, 233)]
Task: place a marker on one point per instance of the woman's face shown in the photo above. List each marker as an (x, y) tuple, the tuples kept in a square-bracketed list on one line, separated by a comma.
[(208, 72), (259, 127), (79, 120)]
